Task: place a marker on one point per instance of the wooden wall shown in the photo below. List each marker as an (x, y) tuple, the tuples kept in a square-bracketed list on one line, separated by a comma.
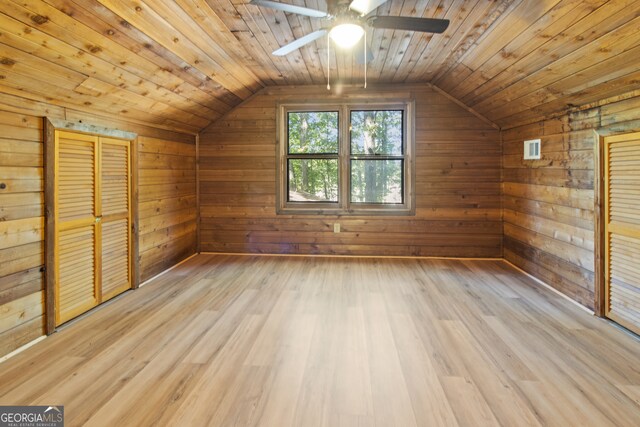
[(167, 201), (167, 207), (549, 203), (457, 185)]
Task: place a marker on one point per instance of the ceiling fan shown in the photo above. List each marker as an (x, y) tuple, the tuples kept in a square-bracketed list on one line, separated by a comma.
[(346, 24)]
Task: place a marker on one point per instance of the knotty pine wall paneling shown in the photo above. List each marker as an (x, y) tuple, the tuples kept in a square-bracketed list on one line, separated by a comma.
[(458, 203), (21, 230), (167, 207), (549, 216)]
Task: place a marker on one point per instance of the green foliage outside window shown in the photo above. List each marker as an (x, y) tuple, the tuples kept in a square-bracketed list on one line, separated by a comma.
[(313, 180), (374, 134), (313, 132)]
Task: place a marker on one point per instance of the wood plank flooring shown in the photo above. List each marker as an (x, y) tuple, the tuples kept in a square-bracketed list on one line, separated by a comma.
[(228, 340)]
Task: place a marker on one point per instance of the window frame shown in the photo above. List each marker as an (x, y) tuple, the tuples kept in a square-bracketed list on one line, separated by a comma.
[(344, 206)]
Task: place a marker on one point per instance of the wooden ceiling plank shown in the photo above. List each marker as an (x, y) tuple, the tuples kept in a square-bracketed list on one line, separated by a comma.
[(480, 13), (583, 83), (443, 11), (556, 21), (465, 107), (157, 130), (401, 39), (381, 39), (229, 12), (93, 41), (211, 23), (453, 71), (16, 61), (279, 26), (520, 17), (256, 23), (59, 25), (21, 105), (598, 96), (21, 86), (320, 45), (274, 28), (511, 60), (255, 42), (50, 92), (37, 44), (131, 100), (173, 73), (603, 21), (147, 20), (419, 40), (263, 59), (301, 26), (562, 16), (607, 46), (500, 19), (210, 40)]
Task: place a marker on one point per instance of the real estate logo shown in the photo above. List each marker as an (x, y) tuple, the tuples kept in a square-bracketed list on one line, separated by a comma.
[(31, 416)]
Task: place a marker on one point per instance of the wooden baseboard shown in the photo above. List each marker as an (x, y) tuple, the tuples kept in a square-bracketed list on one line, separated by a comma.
[(351, 256), (22, 348), (551, 288), (167, 270)]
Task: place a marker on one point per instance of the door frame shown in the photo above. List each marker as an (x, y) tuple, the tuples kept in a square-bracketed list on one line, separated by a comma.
[(50, 127), (598, 214)]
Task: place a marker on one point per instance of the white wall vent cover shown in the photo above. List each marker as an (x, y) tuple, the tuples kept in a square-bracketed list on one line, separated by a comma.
[(532, 149)]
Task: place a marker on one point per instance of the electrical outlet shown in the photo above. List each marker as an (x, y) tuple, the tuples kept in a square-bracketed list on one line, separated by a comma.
[(336, 227)]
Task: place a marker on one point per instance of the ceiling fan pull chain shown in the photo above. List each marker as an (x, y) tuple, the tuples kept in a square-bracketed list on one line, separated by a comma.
[(328, 63), (365, 59)]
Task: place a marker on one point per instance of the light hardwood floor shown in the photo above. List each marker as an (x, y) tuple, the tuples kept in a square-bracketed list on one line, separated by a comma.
[(308, 341)]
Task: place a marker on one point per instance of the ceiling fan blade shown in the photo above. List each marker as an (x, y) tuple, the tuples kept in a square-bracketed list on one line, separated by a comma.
[(427, 25), (290, 8), (297, 44), (358, 50), (365, 6)]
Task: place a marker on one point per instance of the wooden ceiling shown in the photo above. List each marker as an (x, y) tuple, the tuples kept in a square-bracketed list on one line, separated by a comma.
[(181, 64)]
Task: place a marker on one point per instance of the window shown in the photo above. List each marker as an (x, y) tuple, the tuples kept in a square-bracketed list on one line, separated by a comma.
[(345, 158)]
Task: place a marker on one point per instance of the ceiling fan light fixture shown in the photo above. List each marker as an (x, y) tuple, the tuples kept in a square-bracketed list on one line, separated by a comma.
[(346, 35)]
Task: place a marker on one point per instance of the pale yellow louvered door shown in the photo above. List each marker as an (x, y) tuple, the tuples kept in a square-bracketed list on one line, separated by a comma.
[(622, 229), (76, 236), (116, 219), (92, 222)]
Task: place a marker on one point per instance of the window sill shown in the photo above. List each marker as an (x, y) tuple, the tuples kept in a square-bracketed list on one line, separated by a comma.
[(328, 211)]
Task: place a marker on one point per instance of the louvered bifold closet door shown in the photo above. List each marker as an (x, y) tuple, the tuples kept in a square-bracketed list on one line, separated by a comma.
[(76, 236), (116, 220), (622, 229)]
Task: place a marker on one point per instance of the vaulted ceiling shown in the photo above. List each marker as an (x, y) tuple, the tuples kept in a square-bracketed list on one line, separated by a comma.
[(183, 63)]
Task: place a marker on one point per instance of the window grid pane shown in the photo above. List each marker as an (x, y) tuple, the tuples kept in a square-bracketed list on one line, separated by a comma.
[(377, 132), (377, 181), (312, 132), (312, 180)]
